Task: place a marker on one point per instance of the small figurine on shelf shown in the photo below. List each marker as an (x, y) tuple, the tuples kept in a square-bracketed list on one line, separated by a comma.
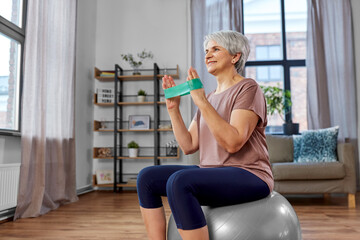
[(104, 152), (133, 149), (172, 148), (103, 124), (137, 64), (165, 126), (141, 95)]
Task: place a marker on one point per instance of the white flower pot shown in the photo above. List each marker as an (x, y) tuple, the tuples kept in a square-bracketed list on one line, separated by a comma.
[(141, 98), (133, 152)]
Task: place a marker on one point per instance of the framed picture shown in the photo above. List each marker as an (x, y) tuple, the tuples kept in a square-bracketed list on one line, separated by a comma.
[(139, 122), (104, 176)]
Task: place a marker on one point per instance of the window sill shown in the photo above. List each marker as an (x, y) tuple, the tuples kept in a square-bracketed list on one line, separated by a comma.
[(10, 133)]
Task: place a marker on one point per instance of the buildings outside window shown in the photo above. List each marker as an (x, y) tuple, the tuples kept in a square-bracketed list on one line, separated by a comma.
[(268, 24), (12, 37)]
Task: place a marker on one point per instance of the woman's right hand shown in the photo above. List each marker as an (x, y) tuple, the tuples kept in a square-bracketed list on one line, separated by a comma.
[(171, 103)]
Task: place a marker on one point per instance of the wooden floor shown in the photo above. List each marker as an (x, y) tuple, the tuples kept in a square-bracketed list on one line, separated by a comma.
[(105, 215)]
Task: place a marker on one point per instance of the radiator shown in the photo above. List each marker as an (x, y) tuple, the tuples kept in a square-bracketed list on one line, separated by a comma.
[(9, 185)]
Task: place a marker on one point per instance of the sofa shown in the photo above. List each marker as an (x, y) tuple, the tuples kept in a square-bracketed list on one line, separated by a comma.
[(313, 177)]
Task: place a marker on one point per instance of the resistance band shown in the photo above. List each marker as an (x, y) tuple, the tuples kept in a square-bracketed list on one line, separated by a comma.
[(183, 89)]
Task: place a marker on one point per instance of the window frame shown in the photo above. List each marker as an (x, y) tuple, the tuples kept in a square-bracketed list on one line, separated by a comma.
[(16, 33), (286, 63)]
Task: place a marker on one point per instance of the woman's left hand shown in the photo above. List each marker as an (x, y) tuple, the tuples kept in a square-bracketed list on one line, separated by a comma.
[(197, 95)]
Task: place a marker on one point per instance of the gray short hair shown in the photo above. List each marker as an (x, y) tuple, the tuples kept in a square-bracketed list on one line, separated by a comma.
[(234, 42)]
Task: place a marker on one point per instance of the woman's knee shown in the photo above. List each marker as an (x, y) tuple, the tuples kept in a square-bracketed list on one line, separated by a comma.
[(178, 183), (145, 175)]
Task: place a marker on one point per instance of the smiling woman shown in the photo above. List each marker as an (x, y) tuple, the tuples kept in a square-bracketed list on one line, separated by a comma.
[(228, 130)]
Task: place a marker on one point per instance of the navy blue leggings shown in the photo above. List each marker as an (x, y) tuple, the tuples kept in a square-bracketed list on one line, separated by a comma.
[(189, 187)]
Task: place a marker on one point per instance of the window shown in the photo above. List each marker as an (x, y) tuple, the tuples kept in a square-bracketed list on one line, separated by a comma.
[(12, 37), (276, 30), (271, 73)]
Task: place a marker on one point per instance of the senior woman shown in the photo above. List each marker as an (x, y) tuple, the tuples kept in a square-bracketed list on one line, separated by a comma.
[(228, 130)]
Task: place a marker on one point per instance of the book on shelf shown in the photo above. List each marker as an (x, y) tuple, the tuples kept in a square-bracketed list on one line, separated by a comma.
[(107, 74), (132, 180)]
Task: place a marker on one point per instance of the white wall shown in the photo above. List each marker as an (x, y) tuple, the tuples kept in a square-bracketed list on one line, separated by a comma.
[(159, 26), (85, 62), (10, 149)]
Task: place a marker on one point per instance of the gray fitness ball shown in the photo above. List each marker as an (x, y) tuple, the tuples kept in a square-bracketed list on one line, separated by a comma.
[(271, 218)]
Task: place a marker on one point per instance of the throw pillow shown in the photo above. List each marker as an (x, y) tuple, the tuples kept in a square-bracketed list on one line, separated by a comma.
[(297, 140), (317, 145)]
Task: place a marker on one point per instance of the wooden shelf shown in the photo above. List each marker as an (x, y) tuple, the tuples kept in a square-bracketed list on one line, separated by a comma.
[(138, 77), (97, 127), (165, 130), (152, 157), (126, 185), (97, 73), (135, 103), (125, 103), (104, 130), (104, 104), (146, 130), (168, 157), (140, 157), (139, 103), (128, 130), (94, 184)]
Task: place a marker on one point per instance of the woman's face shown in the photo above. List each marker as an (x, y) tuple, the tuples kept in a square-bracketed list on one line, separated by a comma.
[(217, 58)]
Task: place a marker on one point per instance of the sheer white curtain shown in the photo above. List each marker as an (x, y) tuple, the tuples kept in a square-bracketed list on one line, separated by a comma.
[(330, 66), (208, 16), (47, 177)]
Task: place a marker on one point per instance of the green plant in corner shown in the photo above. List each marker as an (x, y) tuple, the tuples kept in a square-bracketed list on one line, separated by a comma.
[(141, 92), (133, 144), (277, 100), (136, 64)]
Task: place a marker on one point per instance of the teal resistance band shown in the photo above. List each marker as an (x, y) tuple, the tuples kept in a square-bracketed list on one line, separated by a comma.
[(183, 89)]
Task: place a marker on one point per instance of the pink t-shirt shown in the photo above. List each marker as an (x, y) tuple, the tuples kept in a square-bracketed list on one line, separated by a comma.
[(253, 156)]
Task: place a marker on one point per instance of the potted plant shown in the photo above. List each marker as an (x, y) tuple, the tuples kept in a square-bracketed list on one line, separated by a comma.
[(136, 64), (141, 95), (133, 149), (278, 101)]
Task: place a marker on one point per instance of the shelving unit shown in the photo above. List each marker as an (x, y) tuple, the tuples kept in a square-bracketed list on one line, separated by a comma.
[(120, 126)]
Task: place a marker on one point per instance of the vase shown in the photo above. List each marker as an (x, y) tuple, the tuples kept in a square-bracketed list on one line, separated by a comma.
[(133, 152), (291, 128), (141, 98), (136, 71)]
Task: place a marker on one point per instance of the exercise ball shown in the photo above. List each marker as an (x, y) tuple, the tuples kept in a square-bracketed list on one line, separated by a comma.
[(270, 218)]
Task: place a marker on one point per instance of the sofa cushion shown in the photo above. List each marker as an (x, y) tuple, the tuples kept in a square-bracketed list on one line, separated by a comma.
[(308, 171), (280, 148), (316, 145)]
